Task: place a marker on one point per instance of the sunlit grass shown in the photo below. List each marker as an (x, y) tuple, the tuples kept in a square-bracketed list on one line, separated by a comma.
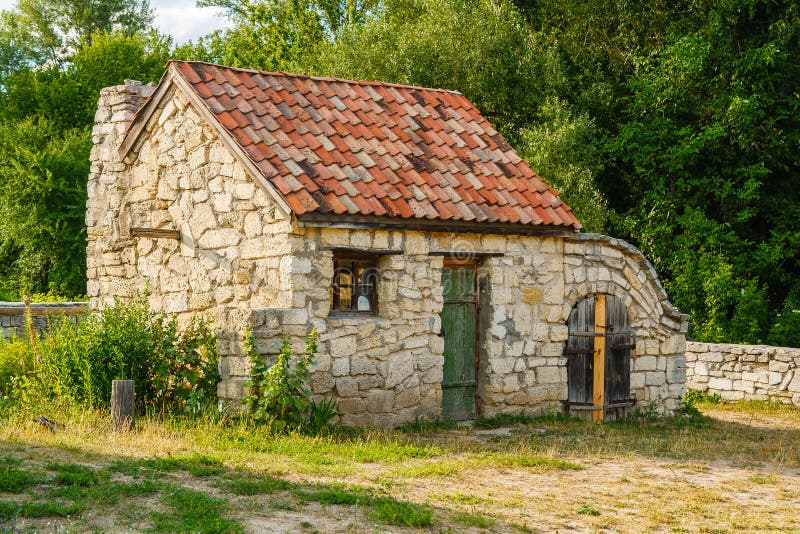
[(551, 469)]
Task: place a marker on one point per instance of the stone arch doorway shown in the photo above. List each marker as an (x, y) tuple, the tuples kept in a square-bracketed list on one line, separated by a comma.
[(599, 354)]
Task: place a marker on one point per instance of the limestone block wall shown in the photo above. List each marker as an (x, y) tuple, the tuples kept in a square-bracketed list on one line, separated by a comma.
[(109, 253), (738, 372), (233, 247), (13, 316), (385, 369), (530, 292)]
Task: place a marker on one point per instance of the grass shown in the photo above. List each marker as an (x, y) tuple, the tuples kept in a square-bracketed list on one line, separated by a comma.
[(474, 520), (12, 479), (587, 509), (187, 510), (9, 509), (736, 467), (263, 485)]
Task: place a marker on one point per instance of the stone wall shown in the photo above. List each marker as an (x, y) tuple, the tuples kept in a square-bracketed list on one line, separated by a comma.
[(385, 369), (243, 261), (738, 372), (233, 247), (14, 319), (388, 369)]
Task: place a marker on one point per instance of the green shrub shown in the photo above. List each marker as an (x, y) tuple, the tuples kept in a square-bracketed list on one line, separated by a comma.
[(278, 393), (693, 397), (16, 360), (77, 361)]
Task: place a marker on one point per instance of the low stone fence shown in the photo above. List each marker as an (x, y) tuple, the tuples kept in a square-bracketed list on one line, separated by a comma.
[(13, 315), (744, 371)]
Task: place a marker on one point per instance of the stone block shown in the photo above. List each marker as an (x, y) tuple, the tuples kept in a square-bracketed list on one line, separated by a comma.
[(756, 376), (362, 365), (296, 317), (360, 239), (501, 366), (347, 387), (548, 375), (400, 367), (351, 405), (729, 395), (433, 375), (416, 244), (637, 380), (745, 386), (655, 378), (322, 383), (720, 384), (340, 366), (380, 400), (645, 363), (218, 238), (343, 346), (510, 384), (176, 302), (794, 385)]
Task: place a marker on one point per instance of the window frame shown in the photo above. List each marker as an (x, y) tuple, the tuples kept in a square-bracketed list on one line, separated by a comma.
[(355, 263)]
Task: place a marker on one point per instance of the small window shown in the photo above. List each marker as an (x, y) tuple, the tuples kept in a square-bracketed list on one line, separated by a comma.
[(355, 284)]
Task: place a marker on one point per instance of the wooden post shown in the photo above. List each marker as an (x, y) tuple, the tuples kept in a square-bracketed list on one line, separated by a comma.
[(122, 394), (599, 378)]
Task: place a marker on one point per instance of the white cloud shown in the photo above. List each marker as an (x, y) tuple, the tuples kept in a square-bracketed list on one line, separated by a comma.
[(183, 20)]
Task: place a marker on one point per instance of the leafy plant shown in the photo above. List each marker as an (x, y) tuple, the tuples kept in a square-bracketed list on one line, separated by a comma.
[(320, 414), (587, 509), (16, 360), (78, 360), (647, 412), (278, 393), (693, 397)]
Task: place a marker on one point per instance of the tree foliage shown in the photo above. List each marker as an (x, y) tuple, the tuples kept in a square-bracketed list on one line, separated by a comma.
[(50, 31), (674, 124), (48, 108), (42, 203)]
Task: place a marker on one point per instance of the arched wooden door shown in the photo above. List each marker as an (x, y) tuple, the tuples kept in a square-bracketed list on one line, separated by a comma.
[(599, 352)]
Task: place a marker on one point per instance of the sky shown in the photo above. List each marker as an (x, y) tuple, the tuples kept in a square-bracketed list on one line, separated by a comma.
[(181, 19)]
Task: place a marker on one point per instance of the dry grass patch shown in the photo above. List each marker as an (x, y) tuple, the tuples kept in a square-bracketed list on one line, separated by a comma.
[(736, 470)]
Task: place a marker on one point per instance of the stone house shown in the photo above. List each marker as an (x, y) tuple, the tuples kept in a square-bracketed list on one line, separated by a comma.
[(446, 279)]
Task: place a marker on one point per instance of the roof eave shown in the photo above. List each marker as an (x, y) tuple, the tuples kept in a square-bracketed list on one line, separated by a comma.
[(364, 222)]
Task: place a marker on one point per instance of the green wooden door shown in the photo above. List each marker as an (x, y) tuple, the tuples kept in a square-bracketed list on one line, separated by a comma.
[(459, 330)]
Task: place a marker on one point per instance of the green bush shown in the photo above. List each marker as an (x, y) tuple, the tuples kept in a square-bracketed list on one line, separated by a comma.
[(16, 360), (77, 361), (693, 397), (278, 393)]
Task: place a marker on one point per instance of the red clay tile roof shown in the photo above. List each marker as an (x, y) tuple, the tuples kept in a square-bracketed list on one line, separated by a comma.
[(341, 147)]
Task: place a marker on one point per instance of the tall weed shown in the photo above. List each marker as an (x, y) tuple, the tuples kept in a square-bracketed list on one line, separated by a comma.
[(278, 394), (16, 360)]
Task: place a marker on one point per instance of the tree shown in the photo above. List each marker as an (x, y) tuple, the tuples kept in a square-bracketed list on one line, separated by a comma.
[(269, 35), (42, 203), (481, 48), (44, 158), (560, 146), (48, 32)]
